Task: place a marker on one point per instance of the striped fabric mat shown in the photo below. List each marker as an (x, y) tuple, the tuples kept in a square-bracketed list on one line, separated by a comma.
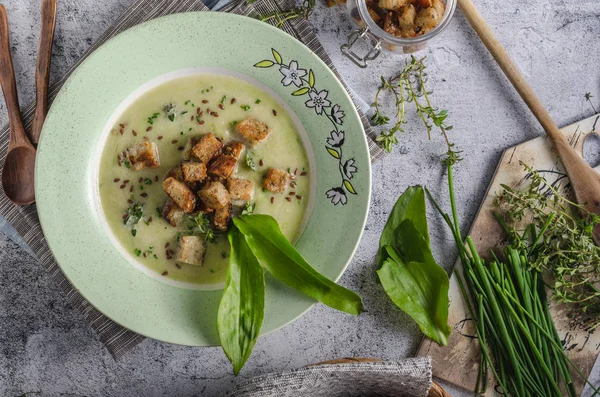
[(119, 340)]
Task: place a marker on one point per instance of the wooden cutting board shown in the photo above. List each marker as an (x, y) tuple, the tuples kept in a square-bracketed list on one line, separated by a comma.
[(458, 362)]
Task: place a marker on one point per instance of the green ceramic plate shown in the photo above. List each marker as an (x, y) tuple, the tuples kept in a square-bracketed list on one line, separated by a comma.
[(76, 127)]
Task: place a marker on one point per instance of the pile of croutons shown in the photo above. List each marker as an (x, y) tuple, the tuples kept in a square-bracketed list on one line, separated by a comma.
[(204, 182), (406, 18)]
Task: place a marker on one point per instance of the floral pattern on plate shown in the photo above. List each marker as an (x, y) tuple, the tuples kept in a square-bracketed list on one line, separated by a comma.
[(304, 82)]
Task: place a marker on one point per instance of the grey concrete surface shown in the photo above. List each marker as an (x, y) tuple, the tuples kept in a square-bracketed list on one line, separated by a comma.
[(46, 346)]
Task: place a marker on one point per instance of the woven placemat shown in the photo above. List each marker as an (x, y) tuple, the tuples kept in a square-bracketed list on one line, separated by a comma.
[(119, 340)]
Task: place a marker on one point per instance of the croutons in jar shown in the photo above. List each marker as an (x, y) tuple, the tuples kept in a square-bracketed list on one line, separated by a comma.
[(402, 26)]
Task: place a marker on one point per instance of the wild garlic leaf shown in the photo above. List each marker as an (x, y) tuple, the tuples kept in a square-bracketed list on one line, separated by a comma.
[(242, 306), (286, 264), (410, 205), (408, 272)]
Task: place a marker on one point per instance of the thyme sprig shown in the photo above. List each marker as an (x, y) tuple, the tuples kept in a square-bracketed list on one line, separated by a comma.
[(563, 242), (278, 18), (409, 87)]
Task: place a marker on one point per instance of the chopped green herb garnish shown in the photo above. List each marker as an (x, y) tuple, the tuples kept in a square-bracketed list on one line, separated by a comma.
[(184, 112), (158, 211), (233, 124), (169, 109), (223, 254), (155, 257), (250, 163), (189, 129), (187, 102), (141, 187), (249, 208), (224, 99), (137, 252), (200, 224), (153, 118), (133, 215), (127, 163), (245, 107), (211, 270), (198, 118), (147, 181), (181, 133), (258, 101), (264, 190), (178, 236)]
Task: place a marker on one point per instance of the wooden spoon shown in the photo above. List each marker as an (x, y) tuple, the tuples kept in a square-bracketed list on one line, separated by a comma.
[(42, 71), (584, 180), (17, 174)]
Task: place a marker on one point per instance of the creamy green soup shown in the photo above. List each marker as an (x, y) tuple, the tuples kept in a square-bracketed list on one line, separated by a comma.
[(222, 101)]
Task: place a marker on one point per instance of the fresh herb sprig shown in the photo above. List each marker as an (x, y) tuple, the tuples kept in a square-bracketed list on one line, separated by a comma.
[(201, 225), (278, 18), (549, 225), (518, 341), (409, 86)]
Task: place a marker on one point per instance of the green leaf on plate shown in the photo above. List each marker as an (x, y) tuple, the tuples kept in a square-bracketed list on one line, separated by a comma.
[(276, 56), (311, 78), (349, 187), (242, 306), (301, 91), (333, 152), (285, 263), (264, 64)]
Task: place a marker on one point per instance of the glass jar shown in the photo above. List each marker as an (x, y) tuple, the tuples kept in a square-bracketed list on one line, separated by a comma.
[(377, 40)]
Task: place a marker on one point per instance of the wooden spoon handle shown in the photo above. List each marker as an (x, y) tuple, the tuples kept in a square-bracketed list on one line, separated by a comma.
[(42, 71), (9, 87), (584, 180)]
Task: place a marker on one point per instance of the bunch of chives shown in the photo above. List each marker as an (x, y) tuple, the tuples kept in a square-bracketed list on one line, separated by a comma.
[(507, 302)]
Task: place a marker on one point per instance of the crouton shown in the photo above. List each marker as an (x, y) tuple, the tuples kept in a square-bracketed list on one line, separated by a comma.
[(427, 19), (393, 5), (275, 180), (207, 148), (406, 20), (252, 130), (174, 172), (424, 3), (172, 213), (191, 250), (222, 166), (374, 14), (439, 5), (180, 194), (142, 155), (222, 218), (215, 195), (390, 26), (234, 149), (193, 171), (240, 189), (187, 149)]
